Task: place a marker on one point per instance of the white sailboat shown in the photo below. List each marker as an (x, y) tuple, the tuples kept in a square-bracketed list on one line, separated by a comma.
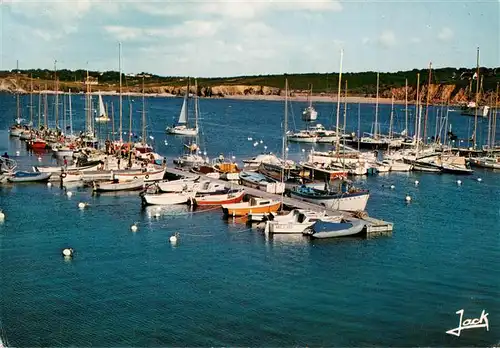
[(309, 114), (103, 116), (182, 124)]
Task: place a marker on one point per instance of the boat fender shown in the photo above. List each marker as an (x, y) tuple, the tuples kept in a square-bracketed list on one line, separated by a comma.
[(146, 177), (63, 175), (135, 177)]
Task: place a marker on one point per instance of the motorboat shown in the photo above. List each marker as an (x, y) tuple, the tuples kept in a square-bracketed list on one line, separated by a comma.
[(331, 229), (348, 198), (23, 176), (168, 198), (178, 185), (294, 222), (116, 185), (254, 205), (219, 199)]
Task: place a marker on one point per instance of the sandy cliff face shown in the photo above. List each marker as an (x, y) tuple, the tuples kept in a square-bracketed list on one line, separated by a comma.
[(438, 93)]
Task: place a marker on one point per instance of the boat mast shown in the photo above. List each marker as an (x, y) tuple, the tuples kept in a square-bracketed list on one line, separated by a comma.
[(359, 124), (375, 133), (130, 122), (345, 107), (310, 96), (143, 114), (477, 102), (406, 108), (39, 107), (31, 100), (494, 130), (284, 140), (120, 90), (392, 116), (56, 91), (70, 113), (490, 117), (64, 115), (417, 103), (113, 120), (18, 107), (45, 109), (427, 103), (337, 145), (196, 109)]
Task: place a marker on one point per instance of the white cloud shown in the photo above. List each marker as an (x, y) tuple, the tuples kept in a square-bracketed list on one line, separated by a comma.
[(365, 41), (446, 34), (387, 39), (237, 9), (188, 29), (416, 40)]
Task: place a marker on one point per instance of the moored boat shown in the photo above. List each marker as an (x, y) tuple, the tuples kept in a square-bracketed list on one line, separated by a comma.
[(23, 176), (168, 198), (329, 229), (254, 205), (178, 185), (219, 199), (116, 185), (347, 198)]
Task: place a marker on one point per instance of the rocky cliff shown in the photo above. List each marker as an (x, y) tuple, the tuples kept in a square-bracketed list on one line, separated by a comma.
[(438, 93)]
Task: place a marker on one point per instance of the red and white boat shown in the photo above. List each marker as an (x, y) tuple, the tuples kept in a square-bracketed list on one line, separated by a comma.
[(37, 144), (226, 198), (149, 175)]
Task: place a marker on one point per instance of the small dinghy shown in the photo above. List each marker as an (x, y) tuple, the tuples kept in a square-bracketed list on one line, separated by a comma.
[(327, 229), (168, 198), (116, 185), (29, 177), (219, 199)]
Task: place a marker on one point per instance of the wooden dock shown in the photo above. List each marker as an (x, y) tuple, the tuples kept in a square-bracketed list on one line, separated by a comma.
[(372, 226)]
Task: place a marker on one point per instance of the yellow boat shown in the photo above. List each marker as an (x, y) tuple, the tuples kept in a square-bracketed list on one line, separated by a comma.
[(255, 205)]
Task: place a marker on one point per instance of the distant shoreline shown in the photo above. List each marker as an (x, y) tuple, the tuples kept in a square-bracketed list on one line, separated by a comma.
[(250, 97)]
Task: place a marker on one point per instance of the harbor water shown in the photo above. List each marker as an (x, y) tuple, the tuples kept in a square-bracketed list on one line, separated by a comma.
[(225, 284)]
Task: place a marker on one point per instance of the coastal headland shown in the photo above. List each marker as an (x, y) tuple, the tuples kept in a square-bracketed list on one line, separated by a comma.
[(447, 85)]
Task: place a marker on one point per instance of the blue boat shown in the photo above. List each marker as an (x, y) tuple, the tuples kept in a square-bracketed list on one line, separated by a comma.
[(29, 177)]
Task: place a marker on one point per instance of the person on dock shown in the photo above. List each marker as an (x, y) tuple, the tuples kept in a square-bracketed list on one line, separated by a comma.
[(119, 160), (164, 162), (65, 162), (5, 155)]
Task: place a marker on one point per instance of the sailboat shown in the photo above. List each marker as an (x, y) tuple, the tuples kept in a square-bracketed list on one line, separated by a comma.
[(192, 157), (182, 124), (309, 113), (103, 116)]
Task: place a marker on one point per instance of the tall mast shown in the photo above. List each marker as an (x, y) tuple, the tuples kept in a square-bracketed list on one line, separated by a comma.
[(284, 140), (338, 102), (196, 111), (494, 130), (345, 107), (39, 107), (31, 100), (477, 102), (70, 114), (113, 120), (45, 109), (88, 103), (18, 107), (392, 116), (376, 108), (56, 90), (417, 103), (130, 121), (64, 114), (143, 114), (406, 107), (490, 118), (427, 103), (120, 91)]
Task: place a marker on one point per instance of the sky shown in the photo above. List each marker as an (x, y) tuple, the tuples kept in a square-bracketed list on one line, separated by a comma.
[(234, 38)]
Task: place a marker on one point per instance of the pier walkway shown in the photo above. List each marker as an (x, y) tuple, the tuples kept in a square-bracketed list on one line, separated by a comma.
[(372, 226)]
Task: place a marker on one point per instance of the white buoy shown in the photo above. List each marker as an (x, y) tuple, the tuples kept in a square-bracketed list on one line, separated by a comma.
[(39, 159), (133, 228), (49, 184), (408, 198), (261, 141), (393, 187), (68, 252), (17, 153), (157, 212), (417, 182), (173, 238), (2, 216), (82, 205), (479, 179), (459, 182), (69, 193)]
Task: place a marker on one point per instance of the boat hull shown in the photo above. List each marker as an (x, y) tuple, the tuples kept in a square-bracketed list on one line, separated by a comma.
[(220, 199), (182, 131), (168, 198), (323, 229), (346, 201), (118, 186), (243, 211), (30, 177)]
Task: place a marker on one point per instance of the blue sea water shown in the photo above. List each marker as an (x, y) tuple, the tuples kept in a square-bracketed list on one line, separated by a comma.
[(225, 284)]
